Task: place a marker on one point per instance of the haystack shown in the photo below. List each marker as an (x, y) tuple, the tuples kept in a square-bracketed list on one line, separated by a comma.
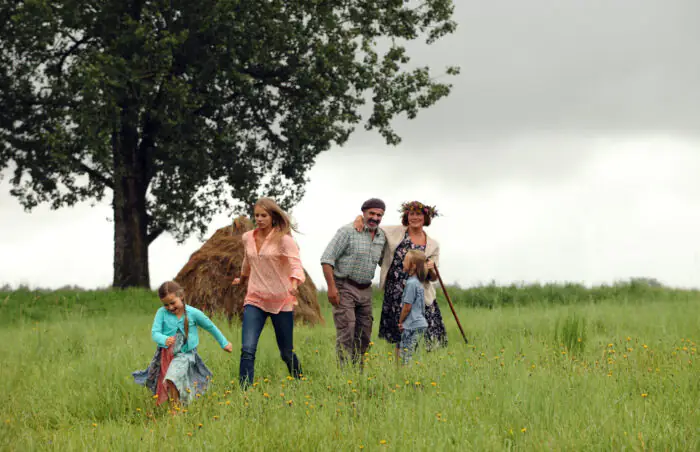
[(207, 277)]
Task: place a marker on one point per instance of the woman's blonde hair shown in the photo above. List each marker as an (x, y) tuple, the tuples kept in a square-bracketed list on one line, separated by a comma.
[(418, 257), (281, 223)]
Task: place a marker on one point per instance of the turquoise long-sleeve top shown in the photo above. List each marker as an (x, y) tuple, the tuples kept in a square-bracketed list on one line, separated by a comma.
[(166, 324)]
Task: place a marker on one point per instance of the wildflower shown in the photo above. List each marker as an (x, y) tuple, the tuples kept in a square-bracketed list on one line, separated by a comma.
[(382, 441), (281, 394), (228, 402), (138, 410), (155, 396), (266, 395), (433, 383), (189, 433), (349, 382), (644, 395), (361, 447), (94, 425), (524, 429), (200, 425)]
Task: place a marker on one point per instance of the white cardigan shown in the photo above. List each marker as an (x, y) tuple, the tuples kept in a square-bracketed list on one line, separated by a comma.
[(394, 236)]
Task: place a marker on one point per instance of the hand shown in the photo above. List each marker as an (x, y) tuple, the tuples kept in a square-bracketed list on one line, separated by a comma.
[(429, 265), (170, 341), (401, 327), (293, 291), (228, 348), (333, 297), (236, 281), (358, 224)]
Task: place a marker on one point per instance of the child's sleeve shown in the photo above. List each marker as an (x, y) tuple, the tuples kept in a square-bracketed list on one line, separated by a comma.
[(157, 329), (202, 320), (409, 294)]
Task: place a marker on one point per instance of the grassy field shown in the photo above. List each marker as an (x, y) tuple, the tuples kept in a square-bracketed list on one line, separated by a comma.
[(547, 368)]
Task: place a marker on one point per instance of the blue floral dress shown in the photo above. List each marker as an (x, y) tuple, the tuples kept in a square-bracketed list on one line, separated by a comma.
[(391, 307)]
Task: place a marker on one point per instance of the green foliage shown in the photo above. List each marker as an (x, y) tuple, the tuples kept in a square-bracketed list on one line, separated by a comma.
[(191, 108), (571, 334), (494, 296), (67, 383)]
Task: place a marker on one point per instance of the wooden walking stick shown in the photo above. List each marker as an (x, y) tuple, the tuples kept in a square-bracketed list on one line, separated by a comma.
[(437, 272)]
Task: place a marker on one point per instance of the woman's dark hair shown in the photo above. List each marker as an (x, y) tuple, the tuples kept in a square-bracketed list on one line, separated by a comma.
[(404, 219)]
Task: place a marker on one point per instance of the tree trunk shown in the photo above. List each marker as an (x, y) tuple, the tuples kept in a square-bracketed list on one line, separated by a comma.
[(129, 204)]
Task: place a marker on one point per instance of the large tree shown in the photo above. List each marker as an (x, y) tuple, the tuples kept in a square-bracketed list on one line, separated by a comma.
[(183, 108)]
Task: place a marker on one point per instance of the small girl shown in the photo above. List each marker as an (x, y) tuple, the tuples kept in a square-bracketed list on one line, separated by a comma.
[(412, 322), (176, 370)]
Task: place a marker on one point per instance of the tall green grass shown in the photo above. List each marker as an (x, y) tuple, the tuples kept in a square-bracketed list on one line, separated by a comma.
[(522, 383)]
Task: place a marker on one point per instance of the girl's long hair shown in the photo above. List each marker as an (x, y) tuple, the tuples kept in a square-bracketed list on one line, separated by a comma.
[(171, 287), (281, 223), (418, 257)]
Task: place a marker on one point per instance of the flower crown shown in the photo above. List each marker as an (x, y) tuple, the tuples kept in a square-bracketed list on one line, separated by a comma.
[(415, 206)]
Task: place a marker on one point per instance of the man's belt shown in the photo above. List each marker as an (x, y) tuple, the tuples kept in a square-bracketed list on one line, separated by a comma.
[(355, 283)]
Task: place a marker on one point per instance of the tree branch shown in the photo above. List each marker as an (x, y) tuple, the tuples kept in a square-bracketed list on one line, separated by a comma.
[(70, 51), (154, 234), (93, 173)]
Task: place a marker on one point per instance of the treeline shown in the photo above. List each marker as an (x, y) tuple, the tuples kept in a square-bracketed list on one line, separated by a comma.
[(632, 291)]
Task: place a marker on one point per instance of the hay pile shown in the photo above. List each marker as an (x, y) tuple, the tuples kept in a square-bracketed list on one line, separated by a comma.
[(207, 277)]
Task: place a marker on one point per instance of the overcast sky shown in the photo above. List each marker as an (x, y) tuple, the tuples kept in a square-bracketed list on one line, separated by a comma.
[(568, 151)]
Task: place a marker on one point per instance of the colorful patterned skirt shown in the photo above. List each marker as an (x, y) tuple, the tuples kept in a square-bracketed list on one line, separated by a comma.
[(186, 371)]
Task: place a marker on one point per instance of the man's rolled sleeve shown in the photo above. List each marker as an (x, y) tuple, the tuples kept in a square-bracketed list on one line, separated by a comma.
[(335, 248)]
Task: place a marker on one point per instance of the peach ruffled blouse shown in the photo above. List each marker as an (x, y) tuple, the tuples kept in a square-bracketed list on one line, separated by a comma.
[(270, 271)]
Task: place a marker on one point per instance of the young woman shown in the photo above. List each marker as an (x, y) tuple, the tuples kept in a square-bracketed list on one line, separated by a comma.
[(273, 270)]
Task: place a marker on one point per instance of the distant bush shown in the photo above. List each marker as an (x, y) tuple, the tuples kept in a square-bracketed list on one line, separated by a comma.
[(492, 295)]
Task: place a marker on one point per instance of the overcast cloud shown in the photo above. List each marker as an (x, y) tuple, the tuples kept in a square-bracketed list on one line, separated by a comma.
[(568, 151)]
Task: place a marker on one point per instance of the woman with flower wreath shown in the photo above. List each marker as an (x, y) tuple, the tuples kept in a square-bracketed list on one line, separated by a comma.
[(410, 235)]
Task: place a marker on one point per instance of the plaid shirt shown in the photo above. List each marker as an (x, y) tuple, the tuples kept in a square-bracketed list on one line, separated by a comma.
[(354, 254)]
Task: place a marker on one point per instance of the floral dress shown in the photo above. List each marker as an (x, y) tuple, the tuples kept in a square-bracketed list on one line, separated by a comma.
[(391, 308)]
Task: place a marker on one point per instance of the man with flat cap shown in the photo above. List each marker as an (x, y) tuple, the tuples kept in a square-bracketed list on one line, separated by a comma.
[(349, 262)]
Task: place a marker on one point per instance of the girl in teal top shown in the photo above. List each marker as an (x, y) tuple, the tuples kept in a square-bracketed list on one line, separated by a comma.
[(176, 370)]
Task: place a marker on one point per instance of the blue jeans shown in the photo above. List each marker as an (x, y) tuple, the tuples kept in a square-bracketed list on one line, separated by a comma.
[(409, 342), (253, 322)]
